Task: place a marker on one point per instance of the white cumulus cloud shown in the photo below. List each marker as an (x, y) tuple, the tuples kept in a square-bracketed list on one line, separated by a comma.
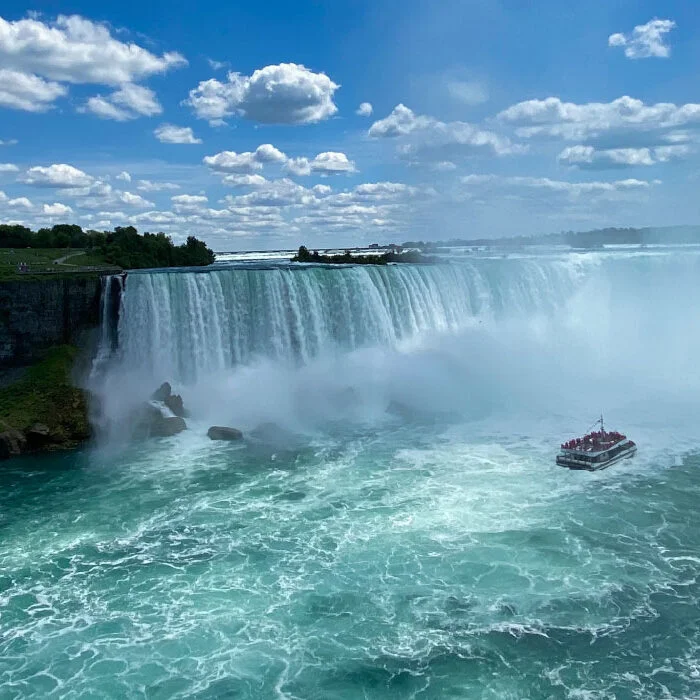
[(590, 158), (245, 180), (570, 190), (8, 168), (554, 118), (150, 186), (129, 102), (400, 122), (287, 93), (426, 139), (17, 203), (123, 175), (38, 58), (20, 203), (73, 49), (28, 92), (364, 110), (57, 209), (328, 163), (101, 195), (132, 200), (187, 202), (57, 175), (169, 133), (247, 162), (646, 40)]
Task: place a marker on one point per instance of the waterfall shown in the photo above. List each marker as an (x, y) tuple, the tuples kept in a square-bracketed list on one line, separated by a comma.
[(292, 343), (179, 325), (112, 289)]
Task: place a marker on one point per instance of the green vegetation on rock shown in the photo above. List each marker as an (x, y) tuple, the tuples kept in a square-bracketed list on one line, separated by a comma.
[(306, 256), (44, 406)]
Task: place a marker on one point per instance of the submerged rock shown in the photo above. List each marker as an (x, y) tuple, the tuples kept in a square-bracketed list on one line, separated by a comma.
[(218, 432)]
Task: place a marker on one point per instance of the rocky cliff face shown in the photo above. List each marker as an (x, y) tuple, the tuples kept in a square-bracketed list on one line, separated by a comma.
[(37, 315)]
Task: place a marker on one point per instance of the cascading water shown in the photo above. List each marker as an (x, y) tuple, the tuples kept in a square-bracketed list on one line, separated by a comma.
[(112, 291), (402, 530), (182, 325)]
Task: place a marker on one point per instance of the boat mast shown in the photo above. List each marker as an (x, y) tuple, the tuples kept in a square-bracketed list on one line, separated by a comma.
[(602, 427)]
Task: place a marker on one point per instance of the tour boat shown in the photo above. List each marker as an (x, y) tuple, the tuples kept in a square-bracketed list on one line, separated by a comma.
[(596, 450)]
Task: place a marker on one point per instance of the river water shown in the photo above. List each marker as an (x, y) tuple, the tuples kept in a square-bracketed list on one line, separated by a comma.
[(397, 528)]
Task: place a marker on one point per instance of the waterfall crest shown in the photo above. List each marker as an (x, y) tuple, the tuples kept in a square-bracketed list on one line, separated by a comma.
[(180, 325)]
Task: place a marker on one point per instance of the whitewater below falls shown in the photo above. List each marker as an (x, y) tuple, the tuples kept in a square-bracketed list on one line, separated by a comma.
[(397, 528)]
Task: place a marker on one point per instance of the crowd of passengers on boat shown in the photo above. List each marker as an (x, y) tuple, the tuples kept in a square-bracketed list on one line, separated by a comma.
[(596, 440)]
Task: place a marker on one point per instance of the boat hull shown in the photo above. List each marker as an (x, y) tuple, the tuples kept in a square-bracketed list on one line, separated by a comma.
[(580, 464)]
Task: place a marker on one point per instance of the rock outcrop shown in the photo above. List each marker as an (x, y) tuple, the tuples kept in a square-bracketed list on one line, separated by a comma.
[(218, 432), (37, 315), (164, 394), (152, 422), (12, 443), (175, 404), (167, 426), (38, 436)]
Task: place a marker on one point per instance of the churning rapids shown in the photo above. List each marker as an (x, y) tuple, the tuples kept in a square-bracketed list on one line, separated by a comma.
[(401, 531)]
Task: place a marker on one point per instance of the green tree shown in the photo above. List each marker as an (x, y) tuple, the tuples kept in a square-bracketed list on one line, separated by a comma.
[(45, 238), (15, 236)]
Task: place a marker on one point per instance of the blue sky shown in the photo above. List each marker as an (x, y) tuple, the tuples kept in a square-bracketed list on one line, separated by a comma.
[(241, 122)]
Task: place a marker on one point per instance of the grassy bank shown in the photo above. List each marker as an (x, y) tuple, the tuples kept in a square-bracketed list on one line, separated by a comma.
[(41, 263), (45, 395)]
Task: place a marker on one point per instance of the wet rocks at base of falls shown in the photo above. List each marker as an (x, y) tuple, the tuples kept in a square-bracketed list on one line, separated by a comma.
[(175, 404), (162, 416), (12, 443), (36, 438), (164, 394), (154, 423), (219, 432)]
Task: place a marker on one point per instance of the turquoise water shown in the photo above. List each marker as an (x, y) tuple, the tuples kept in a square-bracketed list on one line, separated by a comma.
[(404, 531), (404, 562)]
